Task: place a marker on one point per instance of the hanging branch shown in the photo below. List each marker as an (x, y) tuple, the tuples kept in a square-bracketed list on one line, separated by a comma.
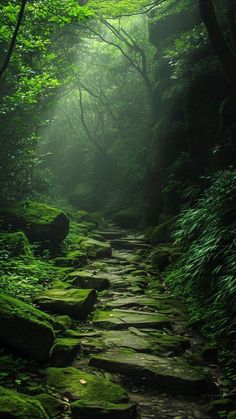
[(85, 125), (13, 40)]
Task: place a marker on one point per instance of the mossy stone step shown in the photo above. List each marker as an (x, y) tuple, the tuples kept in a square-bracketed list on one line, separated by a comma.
[(172, 375), (85, 279), (26, 329), (164, 307), (93, 392), (14, 405), (73, 302), (122, 319), (155, 342)]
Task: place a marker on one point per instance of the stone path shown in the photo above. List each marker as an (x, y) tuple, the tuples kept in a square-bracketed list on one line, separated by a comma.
[(134, 357), (138, 336)]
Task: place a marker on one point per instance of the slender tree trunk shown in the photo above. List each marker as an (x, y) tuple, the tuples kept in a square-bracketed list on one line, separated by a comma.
[(222, 49), (13, 40), (232, 22)]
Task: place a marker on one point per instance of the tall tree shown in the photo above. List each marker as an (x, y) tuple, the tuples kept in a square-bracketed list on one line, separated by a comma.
[(223, 50)]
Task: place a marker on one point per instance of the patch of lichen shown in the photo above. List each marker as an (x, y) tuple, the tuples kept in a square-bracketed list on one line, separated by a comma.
[(20, 406)]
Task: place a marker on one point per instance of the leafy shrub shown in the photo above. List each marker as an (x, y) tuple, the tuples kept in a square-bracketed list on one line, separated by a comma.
[(205, 274)]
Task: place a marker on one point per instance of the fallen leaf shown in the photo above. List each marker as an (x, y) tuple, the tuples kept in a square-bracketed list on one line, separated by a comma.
[(83, 382)]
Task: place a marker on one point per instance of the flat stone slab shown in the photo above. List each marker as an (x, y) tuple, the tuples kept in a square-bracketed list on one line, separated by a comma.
[(128, 244), (73, 302), (85, 279), (161, 306), (155, 342), (172, 375), (122, 319)]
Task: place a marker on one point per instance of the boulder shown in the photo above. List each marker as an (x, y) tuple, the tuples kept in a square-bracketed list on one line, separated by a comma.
[(15, 244), (73, 259), (25, 328), (39, 221), (160, 233), (127, 218), (14, 405), (95, 248), (74, 302)]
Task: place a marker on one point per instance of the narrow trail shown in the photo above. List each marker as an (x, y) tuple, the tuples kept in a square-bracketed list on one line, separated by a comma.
[(138, 334)]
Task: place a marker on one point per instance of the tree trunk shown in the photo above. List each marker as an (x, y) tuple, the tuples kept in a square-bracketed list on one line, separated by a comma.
[(13, 40), (222, 49)]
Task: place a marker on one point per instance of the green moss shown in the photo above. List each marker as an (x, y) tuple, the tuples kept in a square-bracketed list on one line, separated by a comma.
[(73, 302), (39, 221), (20, 406), (160, 233), (25, 328), (62, 322), (73, 259), (15, 244), (94, 248), (232, 415), (95, 389), (53, 407)]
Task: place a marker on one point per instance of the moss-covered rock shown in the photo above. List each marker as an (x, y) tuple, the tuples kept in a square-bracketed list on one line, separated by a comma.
[(52, 406), (95, 248), (232, 415), (25, 328), (128, 218), (73, 259), (174, 375), (73, 302), (85, 279), (62, 323), (15, 405), (15, 244), (88, 388), (64, 351), (103, 410), (91, 217), (39, 221)]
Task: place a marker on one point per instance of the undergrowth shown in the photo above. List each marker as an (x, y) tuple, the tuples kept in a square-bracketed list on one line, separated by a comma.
[(205, 273)]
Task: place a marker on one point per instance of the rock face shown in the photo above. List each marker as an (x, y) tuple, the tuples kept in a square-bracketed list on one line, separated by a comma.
[(74, 302), (166, 374), (15, 405), (39, 221), (16, 244), (92, 393), (25, 328)]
